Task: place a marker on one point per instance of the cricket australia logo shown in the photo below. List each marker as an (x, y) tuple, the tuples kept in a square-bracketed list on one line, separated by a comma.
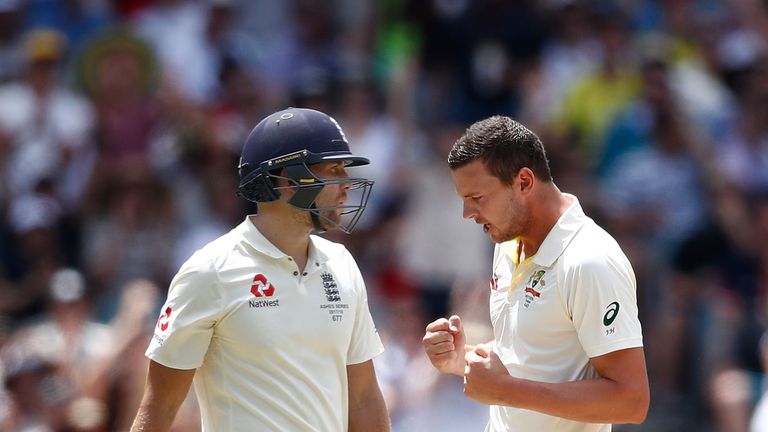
[(536, 280), (330, 287)]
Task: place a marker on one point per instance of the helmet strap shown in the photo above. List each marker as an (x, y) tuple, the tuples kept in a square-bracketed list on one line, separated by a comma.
[(319, 229)]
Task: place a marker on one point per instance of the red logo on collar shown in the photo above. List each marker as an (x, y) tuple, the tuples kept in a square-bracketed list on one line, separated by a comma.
[(262, 288)]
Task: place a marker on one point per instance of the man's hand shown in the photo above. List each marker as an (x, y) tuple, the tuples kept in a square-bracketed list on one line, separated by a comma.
[(484, 375), (444, 344)]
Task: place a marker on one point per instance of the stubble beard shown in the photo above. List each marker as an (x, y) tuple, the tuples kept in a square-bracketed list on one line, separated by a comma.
[(329, 219), (519, 220), (333, 215)]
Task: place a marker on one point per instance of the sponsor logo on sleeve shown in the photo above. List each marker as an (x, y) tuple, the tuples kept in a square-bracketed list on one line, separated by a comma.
[(612, 311), (164, 320)]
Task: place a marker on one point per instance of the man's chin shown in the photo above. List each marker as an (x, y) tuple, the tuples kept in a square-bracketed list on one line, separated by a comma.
[(330, 221), (499, 237)]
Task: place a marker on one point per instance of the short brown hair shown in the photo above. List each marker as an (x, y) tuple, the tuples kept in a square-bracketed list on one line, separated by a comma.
[(504, 146)]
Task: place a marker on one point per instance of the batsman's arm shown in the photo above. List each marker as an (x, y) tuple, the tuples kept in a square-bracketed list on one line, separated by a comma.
[(165, 390), (367, 409)]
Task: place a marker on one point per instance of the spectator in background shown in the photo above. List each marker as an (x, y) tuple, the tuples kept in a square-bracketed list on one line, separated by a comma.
[(136, 215), (218, 211), (119, 379), (664, 209), (190, 39), (119, 74), (44, 127), (572, 51), (78, 20), (11, 58), (242, 99), (66, 332), (37, 393), (435, 249), (376, 135), (738, 313), (50, 362), (744, 151), (632, 129), (592, 102), (308, 46), (35, 221), (714, 291)]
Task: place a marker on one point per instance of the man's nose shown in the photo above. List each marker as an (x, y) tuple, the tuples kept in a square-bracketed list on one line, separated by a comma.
[(469, 212), (345, 185)]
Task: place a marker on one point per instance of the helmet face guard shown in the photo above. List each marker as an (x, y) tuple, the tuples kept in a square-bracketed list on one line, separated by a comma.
[(259, 186)]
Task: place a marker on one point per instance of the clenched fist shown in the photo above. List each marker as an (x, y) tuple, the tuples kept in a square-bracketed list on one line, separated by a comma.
[(444, 344), (486, 379)]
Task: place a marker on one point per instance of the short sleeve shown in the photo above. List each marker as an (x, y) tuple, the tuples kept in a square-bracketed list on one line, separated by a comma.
[(187, 319), (603, 304), (365, 343)]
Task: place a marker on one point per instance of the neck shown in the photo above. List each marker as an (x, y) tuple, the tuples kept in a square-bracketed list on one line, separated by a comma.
[(546, 208), (284, 230)]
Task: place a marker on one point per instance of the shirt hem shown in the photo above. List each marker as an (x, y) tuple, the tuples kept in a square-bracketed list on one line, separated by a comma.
[(615, 346), (170, 364), (366, 358)]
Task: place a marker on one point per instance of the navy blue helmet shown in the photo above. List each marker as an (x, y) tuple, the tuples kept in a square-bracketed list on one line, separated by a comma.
[(282, 146)]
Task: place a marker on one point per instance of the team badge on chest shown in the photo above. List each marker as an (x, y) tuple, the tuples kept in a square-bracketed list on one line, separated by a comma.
[(334, 306), (534, 287), (330, 287)]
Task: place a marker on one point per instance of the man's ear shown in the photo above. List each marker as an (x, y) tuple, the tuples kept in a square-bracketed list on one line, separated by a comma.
[(282, 182), (527, 179)]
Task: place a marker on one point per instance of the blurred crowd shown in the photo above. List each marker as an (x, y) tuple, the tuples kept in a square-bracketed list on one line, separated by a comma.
[(121, 123)]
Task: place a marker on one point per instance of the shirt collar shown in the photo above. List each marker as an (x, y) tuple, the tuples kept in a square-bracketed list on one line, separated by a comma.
[(255, 238), (316, 253), (566, 227)]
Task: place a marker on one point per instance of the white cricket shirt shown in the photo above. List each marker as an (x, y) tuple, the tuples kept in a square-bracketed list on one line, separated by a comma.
[(270, 344), (574, 299)]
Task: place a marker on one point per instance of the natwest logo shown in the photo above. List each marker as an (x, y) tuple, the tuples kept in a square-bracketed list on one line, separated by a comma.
[(162, 321), (261, 287)]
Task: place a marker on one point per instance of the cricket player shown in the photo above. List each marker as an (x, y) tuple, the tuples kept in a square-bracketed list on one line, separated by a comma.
[(567, 354), (270, 321)]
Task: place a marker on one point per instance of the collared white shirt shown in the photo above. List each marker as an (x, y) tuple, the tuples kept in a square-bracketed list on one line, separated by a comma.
[(270, 343), (574, 299)]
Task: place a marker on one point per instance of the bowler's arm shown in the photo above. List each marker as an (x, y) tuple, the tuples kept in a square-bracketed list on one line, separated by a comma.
[(619, 395), (367, 410), (165, 390)]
